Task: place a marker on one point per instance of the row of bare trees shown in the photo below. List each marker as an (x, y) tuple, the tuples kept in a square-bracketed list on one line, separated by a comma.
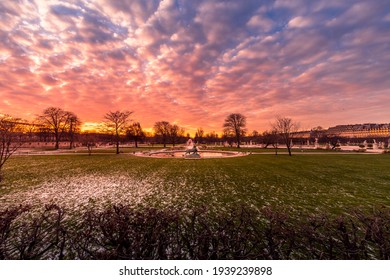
[(234, 128), (60, 122), (168, 132), (282, 130), (56, 124), (117, 123)]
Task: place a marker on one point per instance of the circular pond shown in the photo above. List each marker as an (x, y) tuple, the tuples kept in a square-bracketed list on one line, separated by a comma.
[(182, 154)]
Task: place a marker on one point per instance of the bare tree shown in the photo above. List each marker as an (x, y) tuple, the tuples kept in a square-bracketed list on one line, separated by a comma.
[(175, 132), (57, 121), (199, 135), (285, 127), (89, 140), (333, 140), (274, 140), (254, 136), (10, 138), (135, 132), (161, 129), (116, 123), (235, 125), (73, 128), (268, 138)]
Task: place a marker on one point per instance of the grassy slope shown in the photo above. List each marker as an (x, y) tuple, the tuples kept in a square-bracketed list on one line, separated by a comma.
[(304, 183)]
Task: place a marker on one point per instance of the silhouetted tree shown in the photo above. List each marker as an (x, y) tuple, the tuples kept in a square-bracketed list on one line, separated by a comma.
[(199, 134), (73, 128), (268, 138), (175, 133), (162, 129), (333, 140), (227, 138), (89, 140), (274, 140), (10, 138), (134, 132), (116, 123), (254, 136), (285, 127), (235, 125), (57, 121)]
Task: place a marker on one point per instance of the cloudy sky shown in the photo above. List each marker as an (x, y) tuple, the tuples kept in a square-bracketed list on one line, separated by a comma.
[(322, 62)]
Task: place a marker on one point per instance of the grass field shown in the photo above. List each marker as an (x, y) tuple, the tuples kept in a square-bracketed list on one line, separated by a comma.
[(301, 184)]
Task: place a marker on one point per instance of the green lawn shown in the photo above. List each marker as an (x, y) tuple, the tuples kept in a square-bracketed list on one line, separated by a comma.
[(301, 184)]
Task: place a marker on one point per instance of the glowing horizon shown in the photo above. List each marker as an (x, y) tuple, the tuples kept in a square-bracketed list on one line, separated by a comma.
[(192, 63)]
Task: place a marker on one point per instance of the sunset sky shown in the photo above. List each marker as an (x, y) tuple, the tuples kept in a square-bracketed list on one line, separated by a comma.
[(323, 62)]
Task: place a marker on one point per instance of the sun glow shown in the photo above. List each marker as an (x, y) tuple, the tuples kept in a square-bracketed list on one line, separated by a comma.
[(90, 127)]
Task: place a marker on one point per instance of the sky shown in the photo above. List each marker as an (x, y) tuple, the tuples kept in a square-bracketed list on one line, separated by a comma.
[(192, 63)]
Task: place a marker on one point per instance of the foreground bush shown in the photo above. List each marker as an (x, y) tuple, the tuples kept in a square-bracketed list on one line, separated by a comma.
[(120, 232)]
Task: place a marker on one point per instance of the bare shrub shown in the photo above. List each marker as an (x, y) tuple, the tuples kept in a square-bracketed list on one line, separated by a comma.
[(34, 237), (122, 232)]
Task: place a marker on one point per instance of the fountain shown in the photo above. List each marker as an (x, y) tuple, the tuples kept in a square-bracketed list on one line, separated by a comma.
[(189, 143), (190, 151)]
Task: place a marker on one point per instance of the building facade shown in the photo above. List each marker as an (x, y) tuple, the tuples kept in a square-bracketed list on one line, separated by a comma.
[(367, 130)]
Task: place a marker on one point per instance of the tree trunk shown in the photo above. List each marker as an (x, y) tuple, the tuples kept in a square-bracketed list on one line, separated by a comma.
[(117, 141), (57, 139), (238, 141)]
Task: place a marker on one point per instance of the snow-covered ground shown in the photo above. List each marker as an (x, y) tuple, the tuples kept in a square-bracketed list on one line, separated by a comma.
[(75, 193)]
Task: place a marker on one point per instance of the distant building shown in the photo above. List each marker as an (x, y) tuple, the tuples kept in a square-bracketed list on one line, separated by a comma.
[(367, 130)]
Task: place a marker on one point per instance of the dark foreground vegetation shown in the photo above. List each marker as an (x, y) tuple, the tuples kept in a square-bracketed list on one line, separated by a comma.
[(120, 232)]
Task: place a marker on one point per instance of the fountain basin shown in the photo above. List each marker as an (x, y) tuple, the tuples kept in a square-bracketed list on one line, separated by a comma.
[(204, 154)]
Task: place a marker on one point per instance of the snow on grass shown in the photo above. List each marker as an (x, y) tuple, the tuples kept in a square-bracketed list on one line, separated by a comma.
[(81, 192), (76, 193)]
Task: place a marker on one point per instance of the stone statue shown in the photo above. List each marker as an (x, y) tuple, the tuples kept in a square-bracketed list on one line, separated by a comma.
[(192, 151)]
